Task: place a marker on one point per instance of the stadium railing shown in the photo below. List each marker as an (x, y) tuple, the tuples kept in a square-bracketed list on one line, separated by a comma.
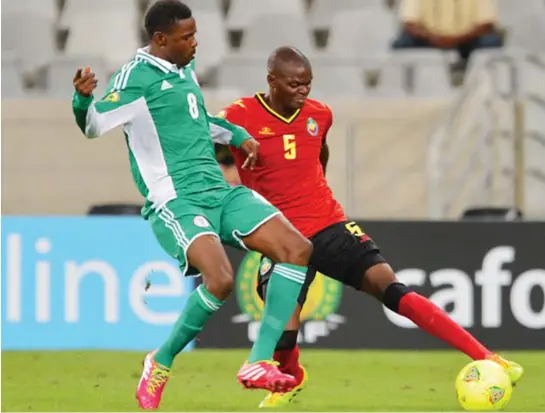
[(489, 149)]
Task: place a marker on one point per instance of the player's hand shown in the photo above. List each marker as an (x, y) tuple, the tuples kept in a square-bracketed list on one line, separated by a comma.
[(85, 82), (250, 147)]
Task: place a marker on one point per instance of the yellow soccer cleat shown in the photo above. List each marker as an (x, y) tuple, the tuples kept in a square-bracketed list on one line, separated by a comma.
[(282, 399), (514, 370)]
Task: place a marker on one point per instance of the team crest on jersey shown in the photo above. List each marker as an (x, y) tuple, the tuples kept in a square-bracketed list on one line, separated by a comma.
[(312, 127), (112, 97), (200, 221)]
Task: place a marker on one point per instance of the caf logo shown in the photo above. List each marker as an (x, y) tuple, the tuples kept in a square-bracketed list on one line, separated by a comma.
[(323, 299)]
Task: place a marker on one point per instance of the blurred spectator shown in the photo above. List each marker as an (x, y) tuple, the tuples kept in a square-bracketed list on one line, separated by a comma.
[(464, 25), (227, 164)]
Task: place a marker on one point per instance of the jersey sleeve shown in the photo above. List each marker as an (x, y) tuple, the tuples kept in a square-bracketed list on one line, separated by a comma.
[(233, 116), (235, 113), (226, 133), (120, 106)]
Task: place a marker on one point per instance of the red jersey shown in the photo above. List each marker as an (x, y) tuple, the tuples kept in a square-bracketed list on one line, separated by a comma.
[(288, 173)]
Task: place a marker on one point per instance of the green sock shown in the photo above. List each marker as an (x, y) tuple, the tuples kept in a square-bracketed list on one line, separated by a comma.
[(200, 306), (280, 302)]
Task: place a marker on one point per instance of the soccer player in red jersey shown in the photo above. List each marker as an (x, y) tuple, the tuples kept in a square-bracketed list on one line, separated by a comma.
[(290, 173)]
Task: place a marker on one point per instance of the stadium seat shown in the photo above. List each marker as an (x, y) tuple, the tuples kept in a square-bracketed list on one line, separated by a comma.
[(322, 12), (243, 12), (430, 71), (431, 79), (61, 72), (77, 8), (244, 73), (208, 5), (116, 41), (31, 36), (358, 33), (528, 32), (12, 82), (266, 33), (213, 43), (511, 14), (393, 81), (339, 79), (44, 8), (221, 94)]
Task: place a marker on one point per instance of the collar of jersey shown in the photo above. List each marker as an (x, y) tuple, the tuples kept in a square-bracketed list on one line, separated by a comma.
[(162, 64)]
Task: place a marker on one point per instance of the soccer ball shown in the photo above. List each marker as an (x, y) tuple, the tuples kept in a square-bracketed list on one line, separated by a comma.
[(483, 386)]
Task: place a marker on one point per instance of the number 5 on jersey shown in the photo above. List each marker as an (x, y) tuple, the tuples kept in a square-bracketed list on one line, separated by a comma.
[(290, 147)]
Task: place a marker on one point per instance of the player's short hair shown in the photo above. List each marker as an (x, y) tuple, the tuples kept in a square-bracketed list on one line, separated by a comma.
[(286, 54), (163, 14)]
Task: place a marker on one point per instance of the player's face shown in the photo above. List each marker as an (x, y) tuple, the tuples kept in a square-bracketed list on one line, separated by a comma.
[(293, 85), (181, 43)]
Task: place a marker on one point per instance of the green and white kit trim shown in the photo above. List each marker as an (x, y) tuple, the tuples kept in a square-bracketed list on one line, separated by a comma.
[(289, 273)]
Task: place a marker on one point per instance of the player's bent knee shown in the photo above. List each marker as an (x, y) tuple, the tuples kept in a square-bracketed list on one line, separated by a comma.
[(300, 254), (297, 252), (220, 284)]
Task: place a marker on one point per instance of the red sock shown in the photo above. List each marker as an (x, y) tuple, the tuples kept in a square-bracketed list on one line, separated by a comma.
[(289, 362), (436, 322)]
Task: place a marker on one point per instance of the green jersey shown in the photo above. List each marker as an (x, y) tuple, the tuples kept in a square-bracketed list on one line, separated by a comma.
[(169, 133)]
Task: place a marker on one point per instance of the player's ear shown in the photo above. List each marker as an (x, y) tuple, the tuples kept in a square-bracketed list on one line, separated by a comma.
[(271, 80), (160, 39)]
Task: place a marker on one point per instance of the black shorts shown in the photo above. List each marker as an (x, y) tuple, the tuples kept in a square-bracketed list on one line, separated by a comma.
[(342, 251)]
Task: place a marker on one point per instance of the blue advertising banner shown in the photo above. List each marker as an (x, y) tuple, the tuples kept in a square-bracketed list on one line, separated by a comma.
[(81, 283)]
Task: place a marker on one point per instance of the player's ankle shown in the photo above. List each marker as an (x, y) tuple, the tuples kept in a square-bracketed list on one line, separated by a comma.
[(298, 373)]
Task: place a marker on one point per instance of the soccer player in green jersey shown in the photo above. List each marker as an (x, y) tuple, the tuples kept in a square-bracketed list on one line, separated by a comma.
[(157, 100)]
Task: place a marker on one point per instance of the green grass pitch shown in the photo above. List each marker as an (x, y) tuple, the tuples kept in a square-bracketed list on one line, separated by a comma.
[(205, 380)]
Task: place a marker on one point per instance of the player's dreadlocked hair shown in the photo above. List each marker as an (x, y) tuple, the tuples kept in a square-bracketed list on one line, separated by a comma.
[(163, 14)]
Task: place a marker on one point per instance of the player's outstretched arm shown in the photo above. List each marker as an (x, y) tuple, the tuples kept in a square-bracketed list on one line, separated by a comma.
[(226, 133), (119, 107)]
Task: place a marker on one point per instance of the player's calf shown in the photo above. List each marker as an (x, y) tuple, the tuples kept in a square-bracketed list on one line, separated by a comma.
[(207, 254), (381, 282), (278, 240)]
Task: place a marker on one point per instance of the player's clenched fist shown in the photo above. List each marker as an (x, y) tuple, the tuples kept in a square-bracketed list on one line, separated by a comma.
[(250, 147), (85, 82)]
